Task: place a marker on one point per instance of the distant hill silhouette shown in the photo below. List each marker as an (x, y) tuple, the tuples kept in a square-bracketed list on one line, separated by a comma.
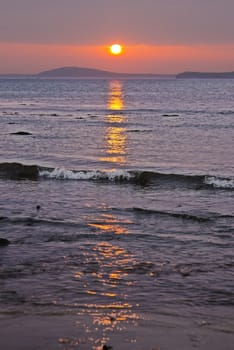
[(205, 75), (82, 72), (76, 72)]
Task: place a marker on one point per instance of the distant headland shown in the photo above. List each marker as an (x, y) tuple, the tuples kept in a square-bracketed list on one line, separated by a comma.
[(205, 75), (89, 73)]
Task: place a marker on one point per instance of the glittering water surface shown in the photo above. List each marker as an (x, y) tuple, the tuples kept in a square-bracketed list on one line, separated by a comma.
[(128, 210)]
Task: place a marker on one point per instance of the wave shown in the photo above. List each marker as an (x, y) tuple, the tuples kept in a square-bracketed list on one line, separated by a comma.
[(35, 220), (219, 182), (18, 171), (63, 174), (142, 178), (182, 215), (139, 177)]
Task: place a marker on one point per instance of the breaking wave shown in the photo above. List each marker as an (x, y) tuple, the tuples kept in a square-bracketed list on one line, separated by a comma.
[(219, 182), (18, 171), (140, 177), (63, 174)]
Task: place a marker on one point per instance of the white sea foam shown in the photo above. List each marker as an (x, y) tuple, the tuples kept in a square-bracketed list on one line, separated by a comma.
[(64, 174), (219, 182)]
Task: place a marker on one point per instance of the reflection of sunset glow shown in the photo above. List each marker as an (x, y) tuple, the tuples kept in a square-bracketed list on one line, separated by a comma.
[(92, 292), (107, 303), (115, 135), (113, 306), (110, 251), (116, 99), (109, 294), (114, 228), (115, 275), (107, 282), (110, 223), (79, 275), (113, 319)]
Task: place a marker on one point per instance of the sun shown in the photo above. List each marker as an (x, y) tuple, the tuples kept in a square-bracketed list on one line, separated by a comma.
[(116, 49)]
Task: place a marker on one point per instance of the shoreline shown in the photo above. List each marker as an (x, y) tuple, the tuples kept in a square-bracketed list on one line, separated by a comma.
[(54, 332)]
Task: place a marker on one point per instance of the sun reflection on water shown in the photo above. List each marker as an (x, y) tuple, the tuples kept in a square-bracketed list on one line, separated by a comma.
[(110, 223), (115, 138), (116, 98), (106, 281), (106, 287)]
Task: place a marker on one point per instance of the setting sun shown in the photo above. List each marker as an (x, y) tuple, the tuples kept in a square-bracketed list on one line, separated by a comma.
[(116, 49)]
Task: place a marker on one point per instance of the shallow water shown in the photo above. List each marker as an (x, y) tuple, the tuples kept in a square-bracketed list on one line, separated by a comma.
[(121, 205)]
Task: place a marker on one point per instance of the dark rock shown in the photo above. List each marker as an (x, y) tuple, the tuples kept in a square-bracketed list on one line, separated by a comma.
[(21, 133), (17, 171), (4, 242), (185, 272), (106, 347), (170, 115), (205, 75)]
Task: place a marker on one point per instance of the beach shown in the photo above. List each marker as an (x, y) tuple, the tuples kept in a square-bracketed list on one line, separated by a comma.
[(66, 332)]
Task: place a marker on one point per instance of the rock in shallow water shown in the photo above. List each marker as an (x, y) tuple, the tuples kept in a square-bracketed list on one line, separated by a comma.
[(4, 242), (18, 171), (21, 133)]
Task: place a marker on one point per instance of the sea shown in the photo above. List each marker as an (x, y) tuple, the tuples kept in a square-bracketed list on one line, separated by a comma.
[(117, 204)]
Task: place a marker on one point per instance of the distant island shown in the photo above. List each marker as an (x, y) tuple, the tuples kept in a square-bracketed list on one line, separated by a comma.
[(76, 72), (82, 72), (205, 75)]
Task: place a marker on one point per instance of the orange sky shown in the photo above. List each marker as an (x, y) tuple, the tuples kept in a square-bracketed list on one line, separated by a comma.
[(33, 58), (163, 36)]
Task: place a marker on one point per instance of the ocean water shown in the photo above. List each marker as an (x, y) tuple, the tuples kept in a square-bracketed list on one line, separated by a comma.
[(117, 200)]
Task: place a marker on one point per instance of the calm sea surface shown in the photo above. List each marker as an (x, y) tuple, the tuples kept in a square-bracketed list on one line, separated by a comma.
[(117, 200)]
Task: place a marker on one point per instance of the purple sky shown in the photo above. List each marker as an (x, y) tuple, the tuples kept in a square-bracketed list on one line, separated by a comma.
[(81, 23)]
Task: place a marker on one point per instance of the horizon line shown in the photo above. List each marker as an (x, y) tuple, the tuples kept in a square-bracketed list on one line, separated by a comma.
[(109, 73)]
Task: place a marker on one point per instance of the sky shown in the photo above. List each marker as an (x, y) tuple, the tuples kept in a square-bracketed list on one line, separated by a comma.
[(158, 36)]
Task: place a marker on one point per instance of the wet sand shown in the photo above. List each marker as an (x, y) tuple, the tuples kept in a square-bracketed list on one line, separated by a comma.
[(27, 332)]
